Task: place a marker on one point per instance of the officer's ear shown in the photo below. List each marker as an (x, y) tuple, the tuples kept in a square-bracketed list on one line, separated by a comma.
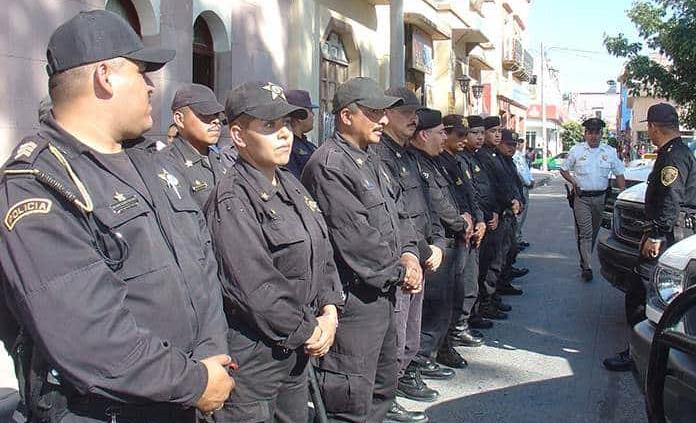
[(345, 116), (102, 85), (238, 129), (178, 117)]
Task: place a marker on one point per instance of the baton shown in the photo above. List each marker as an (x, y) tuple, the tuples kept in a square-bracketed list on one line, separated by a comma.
[(315, 394), (570, 196)]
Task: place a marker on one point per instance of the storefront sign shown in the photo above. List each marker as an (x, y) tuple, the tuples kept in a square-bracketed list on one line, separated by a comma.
[(421, 51)]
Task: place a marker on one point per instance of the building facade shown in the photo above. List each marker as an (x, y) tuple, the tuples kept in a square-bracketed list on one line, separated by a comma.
[(447, 49)]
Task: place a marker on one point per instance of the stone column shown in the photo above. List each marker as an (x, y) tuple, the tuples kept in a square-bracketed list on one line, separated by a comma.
[(396, 43)]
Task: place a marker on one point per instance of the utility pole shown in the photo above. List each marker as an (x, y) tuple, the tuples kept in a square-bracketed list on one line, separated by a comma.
[(544, 141)]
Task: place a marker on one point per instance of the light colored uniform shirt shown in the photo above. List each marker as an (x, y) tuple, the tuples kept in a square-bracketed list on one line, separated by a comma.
[(593, 165), (522, 169)]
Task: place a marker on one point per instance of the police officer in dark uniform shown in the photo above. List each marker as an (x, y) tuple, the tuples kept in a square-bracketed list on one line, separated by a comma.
[(374, 257), (487, 195), (509, 202), (281, 286), (106, 261), (453, 161), (302, 148), (426, 145), (196, 114), (670, 207), (402, 166)]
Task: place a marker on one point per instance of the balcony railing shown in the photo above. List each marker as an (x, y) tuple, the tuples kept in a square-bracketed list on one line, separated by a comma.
[(513, 54)]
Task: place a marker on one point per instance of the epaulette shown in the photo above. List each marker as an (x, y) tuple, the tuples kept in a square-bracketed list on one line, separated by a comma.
[(334, 158), (26, 152)]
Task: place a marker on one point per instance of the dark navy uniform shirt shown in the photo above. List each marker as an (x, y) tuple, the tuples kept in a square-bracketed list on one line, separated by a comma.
[(671, 186), (121, 322), (302, 150), (484, 184), (274, 251), (412, 189), (440, 194), (505, 188), (459, 176), (201, 172), (358, 200)]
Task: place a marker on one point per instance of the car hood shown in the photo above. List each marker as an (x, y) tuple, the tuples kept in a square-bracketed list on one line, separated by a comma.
[(638, 173), (634, 194), (680, 254)]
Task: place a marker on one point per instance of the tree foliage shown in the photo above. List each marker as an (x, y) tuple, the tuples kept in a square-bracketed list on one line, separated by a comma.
[(667, 27), (572, 134)]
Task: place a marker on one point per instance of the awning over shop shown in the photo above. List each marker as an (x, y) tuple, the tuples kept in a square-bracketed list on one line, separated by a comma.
[(437, 30)]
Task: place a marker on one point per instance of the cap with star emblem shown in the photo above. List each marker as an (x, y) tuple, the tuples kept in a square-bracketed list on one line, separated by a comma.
[(199, 98), (260, 100), (364, 92)]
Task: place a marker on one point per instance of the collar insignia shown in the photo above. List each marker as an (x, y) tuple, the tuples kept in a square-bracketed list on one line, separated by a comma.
[(359, 161), (119, 197), (188, 163), (311, 204), (398, 154), (265, 196)]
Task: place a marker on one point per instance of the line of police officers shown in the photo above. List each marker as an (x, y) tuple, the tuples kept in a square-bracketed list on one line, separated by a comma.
[(201, 281)]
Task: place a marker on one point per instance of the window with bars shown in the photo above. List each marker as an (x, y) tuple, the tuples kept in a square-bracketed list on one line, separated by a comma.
[(333, 72), (203, 54)]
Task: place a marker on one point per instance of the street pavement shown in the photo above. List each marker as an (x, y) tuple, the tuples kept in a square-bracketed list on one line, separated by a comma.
[(544, 364)]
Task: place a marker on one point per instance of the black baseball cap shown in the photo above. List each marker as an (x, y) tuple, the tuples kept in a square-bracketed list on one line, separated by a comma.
[(491, 122), (593, 123), (300, 98), (408, 97), (199, 98), (508, 137), (475, 121), (97, 35), (260, 100), (455, 122), (364, 92), (662, 113), (428, 118)]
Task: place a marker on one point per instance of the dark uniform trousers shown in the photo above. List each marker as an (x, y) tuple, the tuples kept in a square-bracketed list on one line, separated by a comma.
[(358, 376), (273, 248), (117, 321), (508, 248), (466, 286), (490, 261), (438, 303)]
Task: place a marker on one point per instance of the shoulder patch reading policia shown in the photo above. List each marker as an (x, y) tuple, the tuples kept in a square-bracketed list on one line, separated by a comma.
[(668, 175), (25, 208)]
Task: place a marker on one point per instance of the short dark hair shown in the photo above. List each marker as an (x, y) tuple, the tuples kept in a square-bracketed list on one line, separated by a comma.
[(667, 126)]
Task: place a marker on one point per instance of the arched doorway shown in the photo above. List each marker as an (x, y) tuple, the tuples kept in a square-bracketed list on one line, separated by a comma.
[(203, 54), (334, 71), (127, 11)]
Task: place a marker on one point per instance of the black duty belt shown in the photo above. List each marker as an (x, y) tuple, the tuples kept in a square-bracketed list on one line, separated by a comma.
[(591, 193)]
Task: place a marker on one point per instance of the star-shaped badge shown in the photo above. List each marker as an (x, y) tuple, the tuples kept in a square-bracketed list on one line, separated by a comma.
[(275, 90), (119, 197)]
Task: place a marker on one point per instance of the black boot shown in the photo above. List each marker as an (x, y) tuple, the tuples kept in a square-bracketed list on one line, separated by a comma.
[(448, 356), (398, 414), (587, 275), (465, 339), (411, 386), (478, 322), (498, 301), (490, 310), (508, 290), (430, 370), (621, 362), (516, 272)]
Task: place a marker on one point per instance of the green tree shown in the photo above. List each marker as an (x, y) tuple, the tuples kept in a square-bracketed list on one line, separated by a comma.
[(667, 27), (572, 134)]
